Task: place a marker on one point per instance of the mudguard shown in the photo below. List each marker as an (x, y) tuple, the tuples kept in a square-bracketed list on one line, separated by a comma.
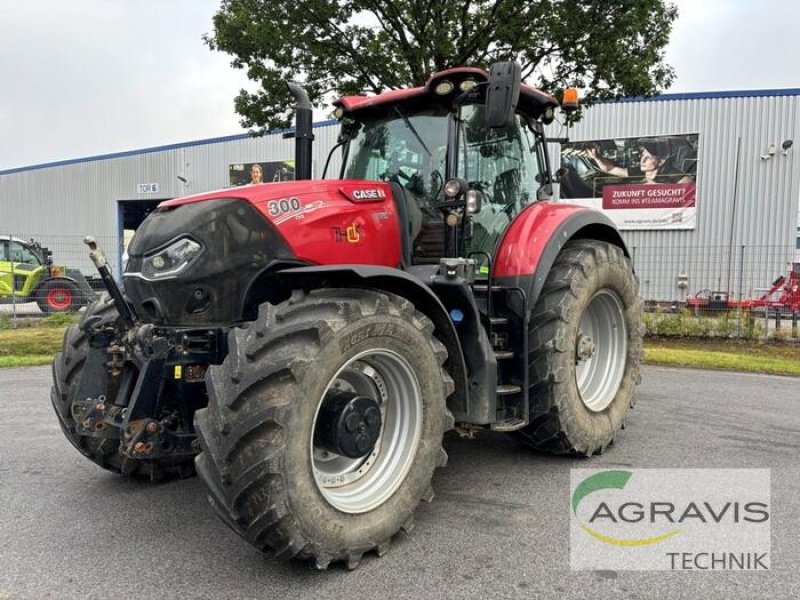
[(79, 279), (396, 282), (531, 243)]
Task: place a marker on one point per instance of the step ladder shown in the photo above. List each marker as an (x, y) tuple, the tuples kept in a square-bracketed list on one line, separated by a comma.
[(512, 398)]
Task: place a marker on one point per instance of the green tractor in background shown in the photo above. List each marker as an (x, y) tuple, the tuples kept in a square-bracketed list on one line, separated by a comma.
[(27, 274)]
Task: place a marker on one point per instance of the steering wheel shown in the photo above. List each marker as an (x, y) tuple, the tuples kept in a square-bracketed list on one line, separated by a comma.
[(435, 174), (397, 176)]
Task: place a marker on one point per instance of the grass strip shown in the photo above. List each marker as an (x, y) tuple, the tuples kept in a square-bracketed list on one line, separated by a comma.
[(746, 357), (33, 341), (26, 360), (37, 345)]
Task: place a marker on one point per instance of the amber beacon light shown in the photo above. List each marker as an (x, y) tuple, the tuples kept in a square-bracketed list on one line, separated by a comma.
[(569, 100)]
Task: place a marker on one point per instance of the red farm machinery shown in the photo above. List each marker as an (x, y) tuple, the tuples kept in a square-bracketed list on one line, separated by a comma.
[(782, 299), (305, 345)]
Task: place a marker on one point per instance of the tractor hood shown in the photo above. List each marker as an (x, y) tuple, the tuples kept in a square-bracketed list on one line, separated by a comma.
[(194, 259)]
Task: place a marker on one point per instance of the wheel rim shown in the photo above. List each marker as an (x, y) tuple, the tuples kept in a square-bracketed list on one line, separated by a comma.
[(601, 350), (358, 485), (59, 297)]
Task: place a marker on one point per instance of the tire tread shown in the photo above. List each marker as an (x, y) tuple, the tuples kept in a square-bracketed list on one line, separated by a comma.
[(550, 428), (247, 398)]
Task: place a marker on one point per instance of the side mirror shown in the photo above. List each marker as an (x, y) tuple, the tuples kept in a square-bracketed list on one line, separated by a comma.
[(502, 94), (473, 202)]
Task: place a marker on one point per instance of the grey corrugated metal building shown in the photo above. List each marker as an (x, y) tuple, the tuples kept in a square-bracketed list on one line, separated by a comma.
[(746, 207), (747, 213)]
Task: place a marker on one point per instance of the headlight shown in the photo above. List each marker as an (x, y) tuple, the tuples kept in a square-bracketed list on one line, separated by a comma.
[(443, 88), (467, 85), (454, 188), (171, 260)]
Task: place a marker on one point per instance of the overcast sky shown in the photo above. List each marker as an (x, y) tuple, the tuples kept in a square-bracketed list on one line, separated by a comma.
[(87, 77)]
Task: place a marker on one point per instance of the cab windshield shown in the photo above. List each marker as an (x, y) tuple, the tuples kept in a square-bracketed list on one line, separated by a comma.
[(18, 253), (411, 150)]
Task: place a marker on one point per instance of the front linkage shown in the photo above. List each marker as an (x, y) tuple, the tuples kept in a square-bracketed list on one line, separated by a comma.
[(149, 415), (141, 384)]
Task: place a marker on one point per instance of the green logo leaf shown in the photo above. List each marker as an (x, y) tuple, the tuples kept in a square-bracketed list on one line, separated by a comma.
[(599, 481)]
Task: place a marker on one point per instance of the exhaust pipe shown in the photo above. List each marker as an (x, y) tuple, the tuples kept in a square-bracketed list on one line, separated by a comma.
[(303, 136)]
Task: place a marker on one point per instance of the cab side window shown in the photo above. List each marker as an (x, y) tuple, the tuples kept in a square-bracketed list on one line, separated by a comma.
[(23, 254), (500, 164), (4, 250)]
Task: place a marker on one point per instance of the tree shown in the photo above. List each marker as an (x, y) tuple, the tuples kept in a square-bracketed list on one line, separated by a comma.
[(608, 48)]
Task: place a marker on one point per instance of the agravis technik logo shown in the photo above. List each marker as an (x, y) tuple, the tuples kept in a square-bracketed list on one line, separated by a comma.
[(603, 481), (674, 519)]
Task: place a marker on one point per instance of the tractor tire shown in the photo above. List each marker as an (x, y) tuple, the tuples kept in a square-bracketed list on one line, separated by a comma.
[(268, 477), (58, 296), (67, 369), (585, 340)]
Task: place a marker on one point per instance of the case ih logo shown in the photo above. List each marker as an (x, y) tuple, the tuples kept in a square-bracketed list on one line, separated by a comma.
[(372, 194)]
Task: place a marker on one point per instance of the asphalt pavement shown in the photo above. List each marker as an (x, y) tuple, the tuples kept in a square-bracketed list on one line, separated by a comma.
[(498, 527)]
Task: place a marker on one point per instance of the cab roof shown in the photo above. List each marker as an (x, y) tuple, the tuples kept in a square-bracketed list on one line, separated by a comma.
[(531, 100), (7, 238)]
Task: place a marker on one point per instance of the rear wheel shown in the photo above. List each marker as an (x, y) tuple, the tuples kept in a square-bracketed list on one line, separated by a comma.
[(586, 342), (325, 424), (58, 295)]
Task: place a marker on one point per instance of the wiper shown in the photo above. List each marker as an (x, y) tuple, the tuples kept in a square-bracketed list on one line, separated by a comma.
[(414, 131)]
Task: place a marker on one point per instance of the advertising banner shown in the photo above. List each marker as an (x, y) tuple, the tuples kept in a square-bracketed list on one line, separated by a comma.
[(640, 183), (261, 172)]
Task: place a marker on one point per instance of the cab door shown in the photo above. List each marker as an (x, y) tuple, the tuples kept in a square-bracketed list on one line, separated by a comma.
[(21, 269), (6, 280)]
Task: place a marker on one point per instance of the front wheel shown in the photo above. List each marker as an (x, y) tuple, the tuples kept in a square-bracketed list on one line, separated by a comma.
[(325, 424), (585, 342), (58, 296)]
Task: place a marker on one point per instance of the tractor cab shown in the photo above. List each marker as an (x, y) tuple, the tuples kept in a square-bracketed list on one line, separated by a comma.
[(436, 146)]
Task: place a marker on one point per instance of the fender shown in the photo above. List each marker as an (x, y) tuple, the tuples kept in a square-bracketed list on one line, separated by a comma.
[(395, 282), (73, 276), (531, 243), (59, 278), (79, 279), (62, 278)]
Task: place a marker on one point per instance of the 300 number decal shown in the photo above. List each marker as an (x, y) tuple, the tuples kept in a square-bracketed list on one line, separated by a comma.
[(284, 205)]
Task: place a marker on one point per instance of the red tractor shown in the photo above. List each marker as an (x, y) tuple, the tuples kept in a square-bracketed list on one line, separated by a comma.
[(305, 345)]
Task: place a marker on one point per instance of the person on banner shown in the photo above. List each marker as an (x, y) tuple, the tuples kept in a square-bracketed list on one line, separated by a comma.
[(256, 174), (653, 166)]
